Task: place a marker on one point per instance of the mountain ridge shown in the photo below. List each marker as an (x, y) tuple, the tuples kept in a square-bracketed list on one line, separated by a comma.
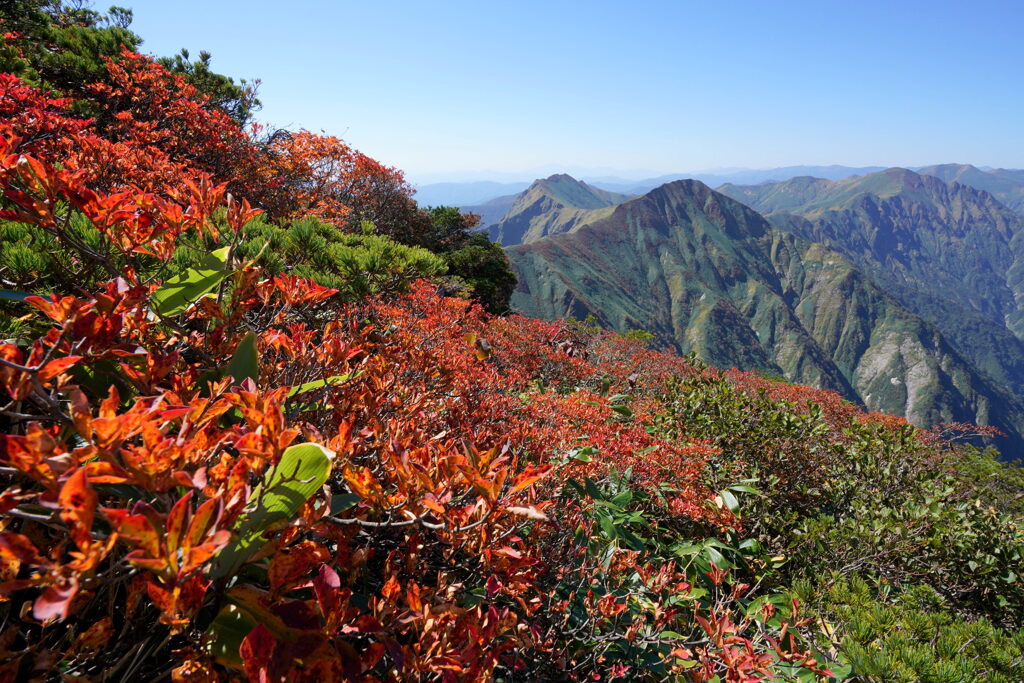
[(707, 274), (1006, 185), (950, 253)]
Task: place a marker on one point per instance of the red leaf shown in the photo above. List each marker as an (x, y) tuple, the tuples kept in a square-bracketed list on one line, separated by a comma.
[(78, 502), (530, 476), (175, 524), (391, 589), (81, 413), (55, 601), (136, 528), (257, 651)]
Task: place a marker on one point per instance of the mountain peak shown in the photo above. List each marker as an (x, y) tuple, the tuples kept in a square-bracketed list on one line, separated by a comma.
[(550, 206), (560, 177), (568, 192)]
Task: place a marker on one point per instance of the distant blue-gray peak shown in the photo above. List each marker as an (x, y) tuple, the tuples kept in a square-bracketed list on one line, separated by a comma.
[(896, 289)]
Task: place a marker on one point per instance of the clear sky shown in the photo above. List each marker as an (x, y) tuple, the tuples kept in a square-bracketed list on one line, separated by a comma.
[(645, 86)]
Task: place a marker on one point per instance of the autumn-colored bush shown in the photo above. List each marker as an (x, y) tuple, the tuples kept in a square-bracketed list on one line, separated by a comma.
[(151, 441), (152, 129), (269, 447)]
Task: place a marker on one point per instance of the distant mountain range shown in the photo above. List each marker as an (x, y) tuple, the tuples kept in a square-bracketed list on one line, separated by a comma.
[(465, 194), (897, 289), (477, 192), (1006, 185)]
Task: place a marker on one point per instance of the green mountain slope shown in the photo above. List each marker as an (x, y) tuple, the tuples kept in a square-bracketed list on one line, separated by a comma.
[(706, 274), (950, 253), (551, 206), (1006, 185)]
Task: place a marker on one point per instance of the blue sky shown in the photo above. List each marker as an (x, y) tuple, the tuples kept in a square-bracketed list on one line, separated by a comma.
[(648, 87)]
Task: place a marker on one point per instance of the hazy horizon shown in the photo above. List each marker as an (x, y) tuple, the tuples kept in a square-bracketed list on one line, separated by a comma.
[(582, 173), (661, 87)]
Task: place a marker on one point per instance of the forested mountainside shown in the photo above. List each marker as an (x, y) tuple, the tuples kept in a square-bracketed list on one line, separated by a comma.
[(264, 418), (705, 274), (469, 193)]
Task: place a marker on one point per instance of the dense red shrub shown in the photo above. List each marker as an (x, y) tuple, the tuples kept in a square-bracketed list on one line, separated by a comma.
[(428, 530)]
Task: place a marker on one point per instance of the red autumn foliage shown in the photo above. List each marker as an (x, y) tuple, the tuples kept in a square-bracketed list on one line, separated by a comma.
[(154, 131), (146, 106), (141, 441)]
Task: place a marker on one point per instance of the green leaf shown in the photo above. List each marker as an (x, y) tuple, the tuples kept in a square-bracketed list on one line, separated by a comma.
[(672, 634), (750, 544), (245, 364), (632, 540), (623, 499), (696, 593), (13, 295), (607, 526), (592, 489), (316, 384), (729, 500), (97, 378), (207, 378), (624, 411), (841, 673), (343, 502), (215, 260), (176, 294), (228, 630), (580, 455), (302, 471), (687, 550), (718, 558)]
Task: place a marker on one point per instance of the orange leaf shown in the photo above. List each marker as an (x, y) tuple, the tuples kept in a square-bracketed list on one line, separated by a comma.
[(56, 367), (391, 589), (529, 477), (17, 547), (135, 528), (81, 413), (175, 524), (95, 636), (205, 517)]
